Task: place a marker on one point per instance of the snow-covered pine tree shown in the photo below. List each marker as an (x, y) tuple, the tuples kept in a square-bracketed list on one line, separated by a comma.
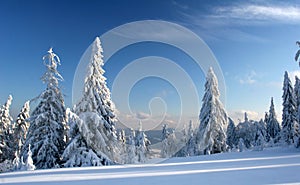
[(230, 133), (172, 143), (289, 114), (211, 136), (243, 131), (21, 126), (16, 162), (297, 96), (46, 130), (97, 110), (77, 152), (189, 148), (7, 146), (246, 119), (260, 135), (169, 145), (191, 144), (164, 140), (142, 145), (28, 165), (122, 146), (164, 132), (273, 127), (122, 136), (184, 132), (131, 157), (191, 129)]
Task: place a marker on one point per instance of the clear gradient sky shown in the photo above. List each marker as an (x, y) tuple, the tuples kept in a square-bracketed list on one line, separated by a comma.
[(253, 41)]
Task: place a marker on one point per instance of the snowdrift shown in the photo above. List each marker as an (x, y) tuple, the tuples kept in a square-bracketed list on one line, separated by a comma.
[(271, 166)]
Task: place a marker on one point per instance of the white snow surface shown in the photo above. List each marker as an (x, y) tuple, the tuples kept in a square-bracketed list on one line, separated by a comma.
[(271, 166)]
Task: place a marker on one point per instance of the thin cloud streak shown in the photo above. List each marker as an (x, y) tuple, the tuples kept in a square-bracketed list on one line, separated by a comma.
[(224, 22), (285, 14), (249, 78)]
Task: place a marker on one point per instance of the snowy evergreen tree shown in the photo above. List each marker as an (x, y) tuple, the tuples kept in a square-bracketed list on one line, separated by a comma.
[(17, 164), (297, 96), (250, 132), (230, 133), (184, 132), (169, 145), (28, 165), (96, 110), (46, 130), (164, 140), (131, 157), (260, 135), (246, 117), (273, 127), (189, 148), (77, 152), (7, 146), (191, 144), (122, 146), (172, 143), (21, 126), (164, 132), (122, 136), (289, 131), (191, 129), (142, 145), (211, 136)]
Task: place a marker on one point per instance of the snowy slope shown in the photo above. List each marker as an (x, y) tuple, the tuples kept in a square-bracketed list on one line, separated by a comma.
[(272, 166)]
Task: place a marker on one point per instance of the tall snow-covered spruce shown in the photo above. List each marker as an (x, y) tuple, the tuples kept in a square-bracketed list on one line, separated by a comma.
[(189, 148), (21, 126), (289, 114), (46, 132), (230, 133), (6, 144), (142, 145), (96, 140), (273, 127), (211, 136), (297, 96)]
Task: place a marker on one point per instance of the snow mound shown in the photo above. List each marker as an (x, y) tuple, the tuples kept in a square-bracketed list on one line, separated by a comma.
[(271, 166)]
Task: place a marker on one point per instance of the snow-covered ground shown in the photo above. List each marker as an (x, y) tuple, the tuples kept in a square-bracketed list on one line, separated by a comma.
[(271, 166)]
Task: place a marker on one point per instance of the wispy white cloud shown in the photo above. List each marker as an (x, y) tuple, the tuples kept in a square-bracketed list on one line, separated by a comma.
[(179, 5), (248, 78), (142, 115), (251, 12), (223, 22), (254, 78)]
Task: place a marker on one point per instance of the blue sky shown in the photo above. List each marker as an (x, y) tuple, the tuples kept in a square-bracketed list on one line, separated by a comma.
[(253, 41)]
